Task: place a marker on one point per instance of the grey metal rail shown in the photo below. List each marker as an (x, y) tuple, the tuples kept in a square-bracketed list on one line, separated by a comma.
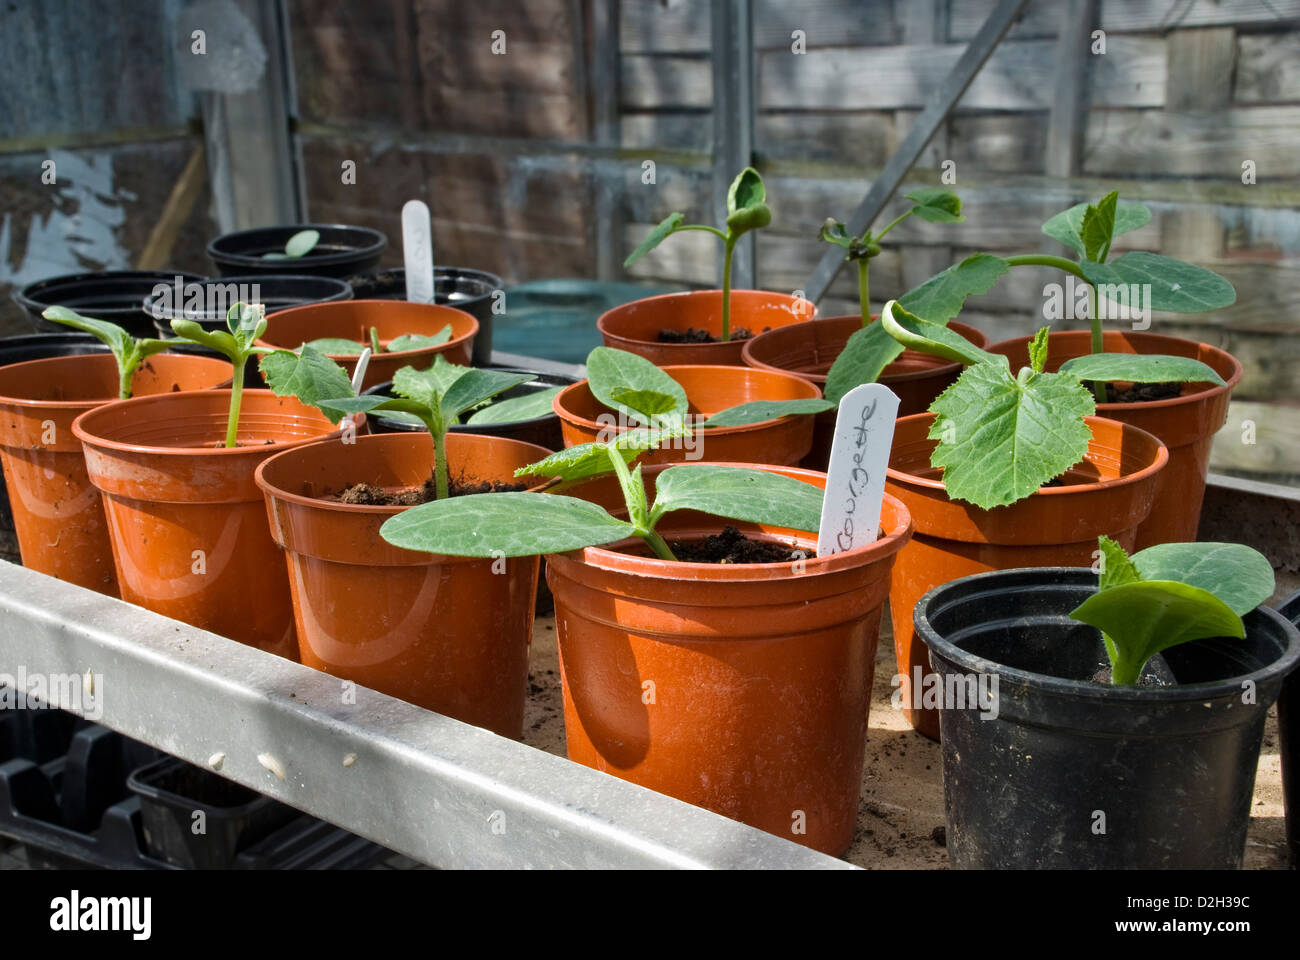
[(440, 791)]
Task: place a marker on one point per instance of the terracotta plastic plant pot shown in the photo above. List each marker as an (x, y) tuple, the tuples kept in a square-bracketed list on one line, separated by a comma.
[(1109, 492), (352, 320), (809, 349), (58, 518), (783, 441), (185, 518), (741, 688), (450, 634), (37, 346), (1185, 424), (635, 326), (464, 288)]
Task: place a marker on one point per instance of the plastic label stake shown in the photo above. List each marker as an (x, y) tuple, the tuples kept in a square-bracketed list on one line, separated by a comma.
[(417, 251), (359, 374), (855, 480)]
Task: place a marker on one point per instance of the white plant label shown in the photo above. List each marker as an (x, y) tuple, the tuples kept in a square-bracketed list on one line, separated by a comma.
[(417, 251), (359, 374), (855, 480)]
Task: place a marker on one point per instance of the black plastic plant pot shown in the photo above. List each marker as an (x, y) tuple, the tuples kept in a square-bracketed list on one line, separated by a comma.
[(460, 287), (208, 302), (543, 431), (342, 251), (113, 295), (1048, 769), (172, 793), (1288, 704)]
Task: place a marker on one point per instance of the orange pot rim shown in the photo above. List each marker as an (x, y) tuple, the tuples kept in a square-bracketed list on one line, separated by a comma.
[(456, 341), (375, 439), (719, 369), (82, 429), (820, 378), (27, 403), (1204, 394), (609, 558), (603, 326), (904, 478)]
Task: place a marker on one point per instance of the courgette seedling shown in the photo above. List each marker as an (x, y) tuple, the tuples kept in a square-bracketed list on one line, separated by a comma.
[(437, 397), (529, 524), (299, 245), (1170, 594), (343, 347), (128, 351), (746, 210), (932, 204), (1158, 283), (1003, 434), (634, 387)]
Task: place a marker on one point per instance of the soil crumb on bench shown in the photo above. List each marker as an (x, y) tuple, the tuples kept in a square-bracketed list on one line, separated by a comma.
[(732, 546), (371, 496)]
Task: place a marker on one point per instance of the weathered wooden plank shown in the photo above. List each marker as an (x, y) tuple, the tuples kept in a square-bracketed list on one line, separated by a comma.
[(663, 130), (1067, 117), (1195, 234), (1041, 18), (653, 26), (1268, 68), (1019, 75), (1199, 68), (1158, 143), (1259, 438)]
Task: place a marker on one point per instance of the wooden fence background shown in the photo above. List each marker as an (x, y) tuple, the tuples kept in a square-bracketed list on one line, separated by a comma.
[(532, 159)]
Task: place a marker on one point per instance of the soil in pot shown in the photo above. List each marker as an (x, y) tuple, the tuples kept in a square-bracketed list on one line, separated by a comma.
[(342, 251), (186, 520), (1090, 776), (58, 520), (474, 291), (112, 295), (354, 319), (1109, 492), (450, 634), (1185, 422), (709, 389), (691, 335), (640, 326), (742, 688), (810, 349), (544, 431)]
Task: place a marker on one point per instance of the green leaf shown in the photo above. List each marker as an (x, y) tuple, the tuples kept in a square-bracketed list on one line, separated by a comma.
[(1067, 226), (1098, 226), (308, 375), (738, 493), (1117, 568), (833, 231), (1174, 286), (1242, 578), (340, 406), (746, 209), (114, 337), (635, 379), (245, 321), (666, 227), (1001, 437), (1143, 618), (503, 524), (757, 411), (1140, 368), (275, 255), (1038, 350), (941, 297), (590, 459), (218, 340), (417, 341), (865, 355), (427, 386), (936, 205), (530, 406), (301, 243), (337, 346), (933, 338), (475, 386)]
